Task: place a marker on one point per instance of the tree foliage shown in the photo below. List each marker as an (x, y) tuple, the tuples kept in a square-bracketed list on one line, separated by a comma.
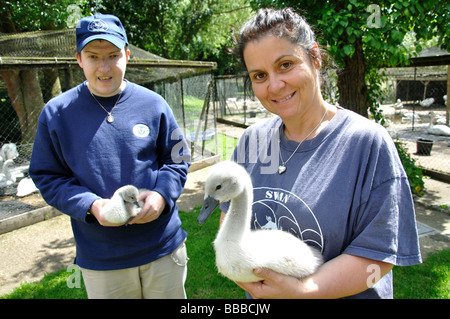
[(345, 27), (360, 36), (24, 88), (182, 29), (32, 15), (174, 29)]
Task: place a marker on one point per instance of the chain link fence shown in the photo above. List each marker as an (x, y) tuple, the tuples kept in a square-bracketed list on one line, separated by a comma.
[(407, 123), (30, 75), (416, 114), (36, 66)]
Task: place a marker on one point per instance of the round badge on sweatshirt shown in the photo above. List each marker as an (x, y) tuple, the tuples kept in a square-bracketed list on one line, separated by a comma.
[(141, 130)]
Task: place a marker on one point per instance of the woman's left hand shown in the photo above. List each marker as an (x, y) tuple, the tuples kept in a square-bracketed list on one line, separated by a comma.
[(154, 205), (344, 275), (273, 286)]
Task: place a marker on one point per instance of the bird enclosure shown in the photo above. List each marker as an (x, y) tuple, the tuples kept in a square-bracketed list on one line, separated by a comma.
[(236, 103), (417, 111), (36, 66)]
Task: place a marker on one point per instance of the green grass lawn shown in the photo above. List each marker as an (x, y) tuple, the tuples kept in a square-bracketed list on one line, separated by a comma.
[(430, 280), (225, 146), (203, 281)]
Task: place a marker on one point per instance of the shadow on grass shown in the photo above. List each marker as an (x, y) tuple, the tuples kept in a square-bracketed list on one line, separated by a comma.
[(203, 281), (430, 280)]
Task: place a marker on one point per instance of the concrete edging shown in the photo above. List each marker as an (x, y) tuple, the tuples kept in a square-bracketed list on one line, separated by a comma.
[(28, 218)]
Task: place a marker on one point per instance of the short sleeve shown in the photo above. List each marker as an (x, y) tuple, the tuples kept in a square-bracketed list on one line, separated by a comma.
[(385, 228)]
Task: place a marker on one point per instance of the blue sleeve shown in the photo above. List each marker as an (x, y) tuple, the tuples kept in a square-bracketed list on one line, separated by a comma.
[(53, 177)]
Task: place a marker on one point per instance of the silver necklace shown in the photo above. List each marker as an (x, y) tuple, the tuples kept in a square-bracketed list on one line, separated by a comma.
[(110, 118), (282, 168)]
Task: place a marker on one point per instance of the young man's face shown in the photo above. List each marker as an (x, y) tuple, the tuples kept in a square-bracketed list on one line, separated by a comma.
[(104, 67)]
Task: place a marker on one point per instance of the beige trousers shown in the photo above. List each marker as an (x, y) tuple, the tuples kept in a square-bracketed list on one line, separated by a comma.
[(163, 278)]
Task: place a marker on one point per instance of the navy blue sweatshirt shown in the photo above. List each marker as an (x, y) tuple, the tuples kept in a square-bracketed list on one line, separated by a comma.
[(79, 157)]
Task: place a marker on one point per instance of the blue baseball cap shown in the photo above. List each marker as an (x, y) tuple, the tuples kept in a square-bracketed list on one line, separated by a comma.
[(101, 27)]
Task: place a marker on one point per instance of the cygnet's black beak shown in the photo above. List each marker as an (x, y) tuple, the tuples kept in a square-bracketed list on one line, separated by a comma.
[(209, 205), (137, 204)]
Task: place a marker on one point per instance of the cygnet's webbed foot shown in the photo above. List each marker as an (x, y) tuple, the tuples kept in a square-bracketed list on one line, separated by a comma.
[(129, 220), (136, 203)]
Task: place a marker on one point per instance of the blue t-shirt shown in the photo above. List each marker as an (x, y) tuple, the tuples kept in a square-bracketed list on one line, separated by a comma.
[(79, 157), (344, 191)]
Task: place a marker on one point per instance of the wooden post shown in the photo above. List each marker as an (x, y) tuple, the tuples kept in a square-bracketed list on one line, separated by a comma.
[(448, 95)]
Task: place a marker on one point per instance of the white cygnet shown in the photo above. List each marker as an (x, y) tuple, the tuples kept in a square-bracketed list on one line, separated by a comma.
[(123, 205)]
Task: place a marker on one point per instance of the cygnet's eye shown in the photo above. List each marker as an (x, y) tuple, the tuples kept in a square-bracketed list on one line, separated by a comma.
[(218, 187)]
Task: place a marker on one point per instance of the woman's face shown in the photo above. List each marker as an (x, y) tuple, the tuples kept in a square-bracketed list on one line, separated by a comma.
[(283, 77)]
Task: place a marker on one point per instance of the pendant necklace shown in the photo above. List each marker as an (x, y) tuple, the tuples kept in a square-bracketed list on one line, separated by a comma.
[(110, 118), (282, 168)]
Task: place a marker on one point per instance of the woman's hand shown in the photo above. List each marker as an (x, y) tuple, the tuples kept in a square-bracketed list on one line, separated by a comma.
[(273, 286), (342, 276)]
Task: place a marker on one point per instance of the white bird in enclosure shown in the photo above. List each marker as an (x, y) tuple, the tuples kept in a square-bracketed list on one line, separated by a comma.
[(8, 151), (123, 205), (26, 187), (6, 178), (439, 129), (398, 106), (427, 102), (438, 119), (408, 118), (239, 250)]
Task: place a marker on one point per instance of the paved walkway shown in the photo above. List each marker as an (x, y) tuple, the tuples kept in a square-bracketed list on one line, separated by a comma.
[(30, 252), (26, 254)]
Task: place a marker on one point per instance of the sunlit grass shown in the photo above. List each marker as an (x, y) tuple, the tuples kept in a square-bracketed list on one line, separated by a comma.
[(430, 280)]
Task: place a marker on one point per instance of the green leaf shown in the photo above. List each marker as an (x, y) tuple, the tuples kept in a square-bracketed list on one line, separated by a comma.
[(367, 39), (343, 23), (406, 12), (405, 3), (351, 38), (375, 44), (349, 30), (349, 49), (393, 60), (397, 35), (418, 48), (419, 7)]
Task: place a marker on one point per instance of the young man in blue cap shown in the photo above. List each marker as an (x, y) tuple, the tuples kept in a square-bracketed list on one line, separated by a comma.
[(103, 134)]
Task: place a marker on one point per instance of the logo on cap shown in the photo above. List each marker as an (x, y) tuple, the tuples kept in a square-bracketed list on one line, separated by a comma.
[(98, 26)]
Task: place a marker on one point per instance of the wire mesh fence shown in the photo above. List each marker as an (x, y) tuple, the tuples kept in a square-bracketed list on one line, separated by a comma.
[(414, 131), (418, 112), (36, 66), (18, 117), (235, 101), (237, 105)]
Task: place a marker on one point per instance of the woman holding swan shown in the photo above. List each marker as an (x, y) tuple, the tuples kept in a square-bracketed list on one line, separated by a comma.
[(339, 177)]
